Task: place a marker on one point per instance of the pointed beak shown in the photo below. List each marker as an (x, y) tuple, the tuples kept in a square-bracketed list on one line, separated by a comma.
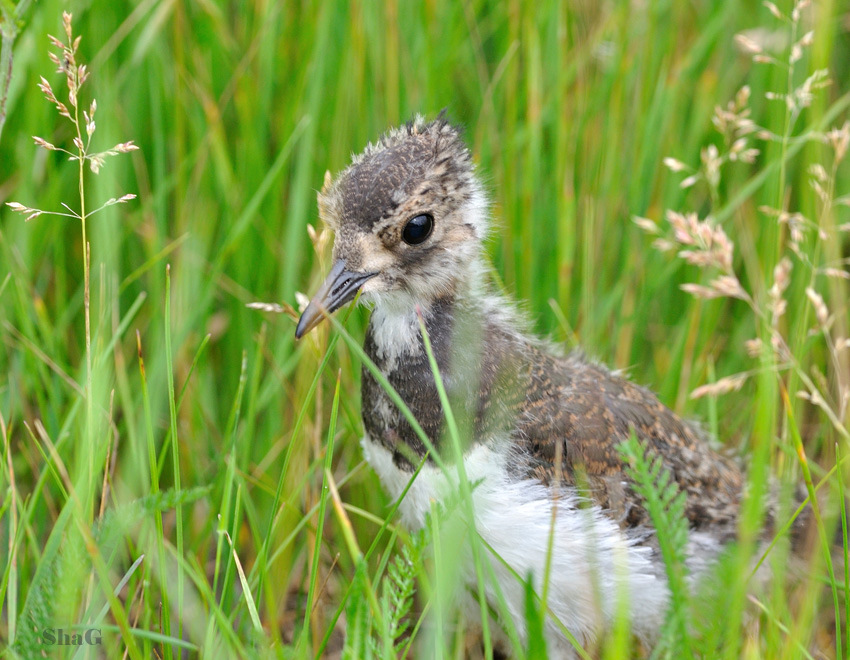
[(340, 286)]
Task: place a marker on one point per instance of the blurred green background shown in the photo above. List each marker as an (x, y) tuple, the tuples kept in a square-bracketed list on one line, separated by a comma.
[(239, 108)]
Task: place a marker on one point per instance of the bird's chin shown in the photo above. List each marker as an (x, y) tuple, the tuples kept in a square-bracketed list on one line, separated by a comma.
[(393, 300), (380, 289)]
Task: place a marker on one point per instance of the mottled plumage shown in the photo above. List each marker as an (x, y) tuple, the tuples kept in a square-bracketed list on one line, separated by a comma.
[(535, 422)]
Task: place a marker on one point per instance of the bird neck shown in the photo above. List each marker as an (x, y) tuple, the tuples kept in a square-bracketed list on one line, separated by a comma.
[(394, 336), (454, 324), (396, 321)]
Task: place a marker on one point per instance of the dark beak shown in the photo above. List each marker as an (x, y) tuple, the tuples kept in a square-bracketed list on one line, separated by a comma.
[(339, 287)]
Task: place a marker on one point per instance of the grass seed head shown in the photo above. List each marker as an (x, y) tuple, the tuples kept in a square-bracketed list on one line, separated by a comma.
[(722, 386), (839, 139), (821, 310)]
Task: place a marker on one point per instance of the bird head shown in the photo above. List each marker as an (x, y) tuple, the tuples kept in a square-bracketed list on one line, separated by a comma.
[(409, 216)]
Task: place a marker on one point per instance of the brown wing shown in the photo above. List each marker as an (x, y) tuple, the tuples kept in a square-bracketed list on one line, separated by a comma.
[(590, 411)]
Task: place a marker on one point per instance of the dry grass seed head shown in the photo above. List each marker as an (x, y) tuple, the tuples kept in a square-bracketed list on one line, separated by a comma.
[(838, 139), (821, 310), (722, 386)]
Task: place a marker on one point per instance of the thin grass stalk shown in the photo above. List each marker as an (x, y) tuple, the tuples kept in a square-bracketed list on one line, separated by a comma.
[(357, 349), (8, 34), (786, 135), (465, 490), (224, 514), (800, 508), (413, 633), (844, 541), (77, 511), (224, 622), (175, 448), (320, 522), (159, 531), (243, 580), (781, 626), (821, 527), (10, 577), (345, 522), (467, 503), (550, 541), (153, 636), (372, 548), (90, 440), (439, 615), (220, 628), (577, 647), (262, 562)]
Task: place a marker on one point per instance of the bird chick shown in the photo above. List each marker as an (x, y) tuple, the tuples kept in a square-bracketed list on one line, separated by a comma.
[(541, 430)]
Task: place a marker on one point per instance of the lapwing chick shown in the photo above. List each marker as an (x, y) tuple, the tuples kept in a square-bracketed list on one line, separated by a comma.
[(540, 429)]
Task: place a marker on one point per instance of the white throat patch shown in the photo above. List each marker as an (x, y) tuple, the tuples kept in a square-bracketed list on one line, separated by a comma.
[(395, 331)]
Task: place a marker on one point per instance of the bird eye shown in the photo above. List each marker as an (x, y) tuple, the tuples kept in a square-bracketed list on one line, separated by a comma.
[(417, 229)]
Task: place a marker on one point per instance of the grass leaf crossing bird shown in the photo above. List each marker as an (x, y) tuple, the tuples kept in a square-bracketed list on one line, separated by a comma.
[(541, 429)]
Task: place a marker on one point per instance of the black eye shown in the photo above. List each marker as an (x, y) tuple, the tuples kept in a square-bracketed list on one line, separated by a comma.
[(417, 229)]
